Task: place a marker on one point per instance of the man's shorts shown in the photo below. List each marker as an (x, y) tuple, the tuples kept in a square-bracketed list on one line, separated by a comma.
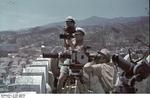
[(65, 69)]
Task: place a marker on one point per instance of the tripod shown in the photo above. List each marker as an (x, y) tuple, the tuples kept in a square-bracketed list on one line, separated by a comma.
[(74, 80)]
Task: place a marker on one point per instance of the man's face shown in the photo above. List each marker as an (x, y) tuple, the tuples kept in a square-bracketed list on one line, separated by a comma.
[(70, 27), (101, 60), (70, 24)]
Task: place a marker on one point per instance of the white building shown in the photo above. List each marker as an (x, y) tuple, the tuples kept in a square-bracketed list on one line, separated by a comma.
[(28, 83)]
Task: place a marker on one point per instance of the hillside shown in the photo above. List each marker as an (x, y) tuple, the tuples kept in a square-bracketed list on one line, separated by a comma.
[(101, 32)]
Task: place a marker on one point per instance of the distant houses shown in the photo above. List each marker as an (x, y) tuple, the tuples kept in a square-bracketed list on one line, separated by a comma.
[(8, 48)]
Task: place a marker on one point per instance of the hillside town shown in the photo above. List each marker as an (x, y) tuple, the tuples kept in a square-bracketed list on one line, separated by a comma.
[(23, 68)]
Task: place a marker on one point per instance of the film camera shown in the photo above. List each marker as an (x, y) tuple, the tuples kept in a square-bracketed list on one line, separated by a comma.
[(132, 72), (77, 56), (141, 69)]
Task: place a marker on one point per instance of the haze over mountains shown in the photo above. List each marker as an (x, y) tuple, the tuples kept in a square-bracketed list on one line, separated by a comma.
[(101, 32), (95, 20)]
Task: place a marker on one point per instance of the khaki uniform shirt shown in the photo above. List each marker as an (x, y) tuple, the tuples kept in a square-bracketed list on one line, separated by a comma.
[(105, 73)]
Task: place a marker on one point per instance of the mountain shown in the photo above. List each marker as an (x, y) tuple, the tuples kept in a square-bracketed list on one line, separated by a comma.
[(91, 21), (101, 32), (95, 20)]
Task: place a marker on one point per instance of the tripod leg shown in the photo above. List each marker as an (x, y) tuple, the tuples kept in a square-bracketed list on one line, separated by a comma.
[(69, 86), (76, 85), (55, 85)]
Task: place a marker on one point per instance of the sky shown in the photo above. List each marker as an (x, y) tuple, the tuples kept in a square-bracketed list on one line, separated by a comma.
[(19, 14)]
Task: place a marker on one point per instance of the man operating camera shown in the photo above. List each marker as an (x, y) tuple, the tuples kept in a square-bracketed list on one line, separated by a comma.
[(103, 68), (73, 36), (73, 41)]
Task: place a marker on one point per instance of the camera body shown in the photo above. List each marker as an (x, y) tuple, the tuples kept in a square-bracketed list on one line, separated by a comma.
[(131, 73), (66, 36), (141, 69), (57, 55), (75, 56)]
